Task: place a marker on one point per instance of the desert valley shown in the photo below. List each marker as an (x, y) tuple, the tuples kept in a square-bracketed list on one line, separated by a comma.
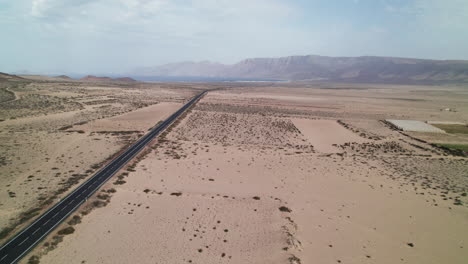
[(234, 132), (254, 172)]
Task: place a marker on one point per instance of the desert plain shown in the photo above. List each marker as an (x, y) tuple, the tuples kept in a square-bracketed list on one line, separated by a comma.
[(254, 173)]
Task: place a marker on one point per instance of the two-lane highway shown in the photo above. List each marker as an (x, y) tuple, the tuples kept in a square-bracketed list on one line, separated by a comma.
[(24, 241)]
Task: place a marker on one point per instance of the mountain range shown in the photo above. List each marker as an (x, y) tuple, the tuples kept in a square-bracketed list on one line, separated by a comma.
[(98, 79), (322, 68)]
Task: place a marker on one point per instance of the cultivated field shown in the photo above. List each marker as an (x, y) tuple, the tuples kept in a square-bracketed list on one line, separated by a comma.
[(260, 173)]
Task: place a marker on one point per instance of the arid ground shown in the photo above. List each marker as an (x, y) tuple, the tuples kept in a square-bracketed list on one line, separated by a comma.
[(254, 173), (54, 134)]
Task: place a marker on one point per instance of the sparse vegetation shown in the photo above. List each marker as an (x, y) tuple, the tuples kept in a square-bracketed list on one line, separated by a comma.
[(34, 260), (41, 145), (5, 94), (294, 260), (76, 219), (234, 143), (229, 128), (36, 104)]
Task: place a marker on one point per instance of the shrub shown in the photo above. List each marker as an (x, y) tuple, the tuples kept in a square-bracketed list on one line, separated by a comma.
[(67, 231)]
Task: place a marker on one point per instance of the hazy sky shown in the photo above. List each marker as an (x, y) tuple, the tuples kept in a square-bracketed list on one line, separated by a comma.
[(105, 36)]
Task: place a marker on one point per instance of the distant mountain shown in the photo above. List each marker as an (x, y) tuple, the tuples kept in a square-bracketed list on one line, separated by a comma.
[(201, 69), (125, 79), (322, 68), (65, 77), (104, 79), (95, 78)]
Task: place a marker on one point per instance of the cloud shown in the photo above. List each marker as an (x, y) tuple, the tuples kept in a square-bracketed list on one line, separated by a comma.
[(38, 7), (47, 8), (451, 14), (176, 18), (110, 34), (432, 13), (91, 33)]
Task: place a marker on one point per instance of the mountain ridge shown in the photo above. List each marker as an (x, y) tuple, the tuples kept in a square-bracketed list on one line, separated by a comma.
[(324, 68), (106, 79)]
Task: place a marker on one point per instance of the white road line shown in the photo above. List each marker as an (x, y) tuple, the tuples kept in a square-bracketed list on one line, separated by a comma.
[(47, 232), (23, 241), (35, 231), (3, 257)]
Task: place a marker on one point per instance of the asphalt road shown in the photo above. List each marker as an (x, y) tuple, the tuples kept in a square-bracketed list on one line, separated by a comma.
[(25, 240)]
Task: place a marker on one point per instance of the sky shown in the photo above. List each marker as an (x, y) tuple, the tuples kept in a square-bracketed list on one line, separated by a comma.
[(117, 36)]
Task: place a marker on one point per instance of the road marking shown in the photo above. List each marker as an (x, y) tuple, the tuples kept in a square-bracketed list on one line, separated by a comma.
[(23, 241), (43, 235), (4, 257), (35, 231)]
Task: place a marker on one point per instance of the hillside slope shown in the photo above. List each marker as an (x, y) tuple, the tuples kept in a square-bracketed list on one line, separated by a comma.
[(9, 77)]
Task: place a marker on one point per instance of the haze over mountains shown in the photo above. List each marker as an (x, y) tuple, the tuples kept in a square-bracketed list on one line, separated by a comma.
[(322, 68), (96, 78)]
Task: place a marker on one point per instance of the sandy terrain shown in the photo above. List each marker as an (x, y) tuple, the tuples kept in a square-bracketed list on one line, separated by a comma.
[(252, 175), (324, 134), (138, 120), (53, 135)]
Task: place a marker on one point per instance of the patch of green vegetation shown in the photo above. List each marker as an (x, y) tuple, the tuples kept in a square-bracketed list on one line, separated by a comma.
[(462, 147), (454, 149), (453, 129)]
